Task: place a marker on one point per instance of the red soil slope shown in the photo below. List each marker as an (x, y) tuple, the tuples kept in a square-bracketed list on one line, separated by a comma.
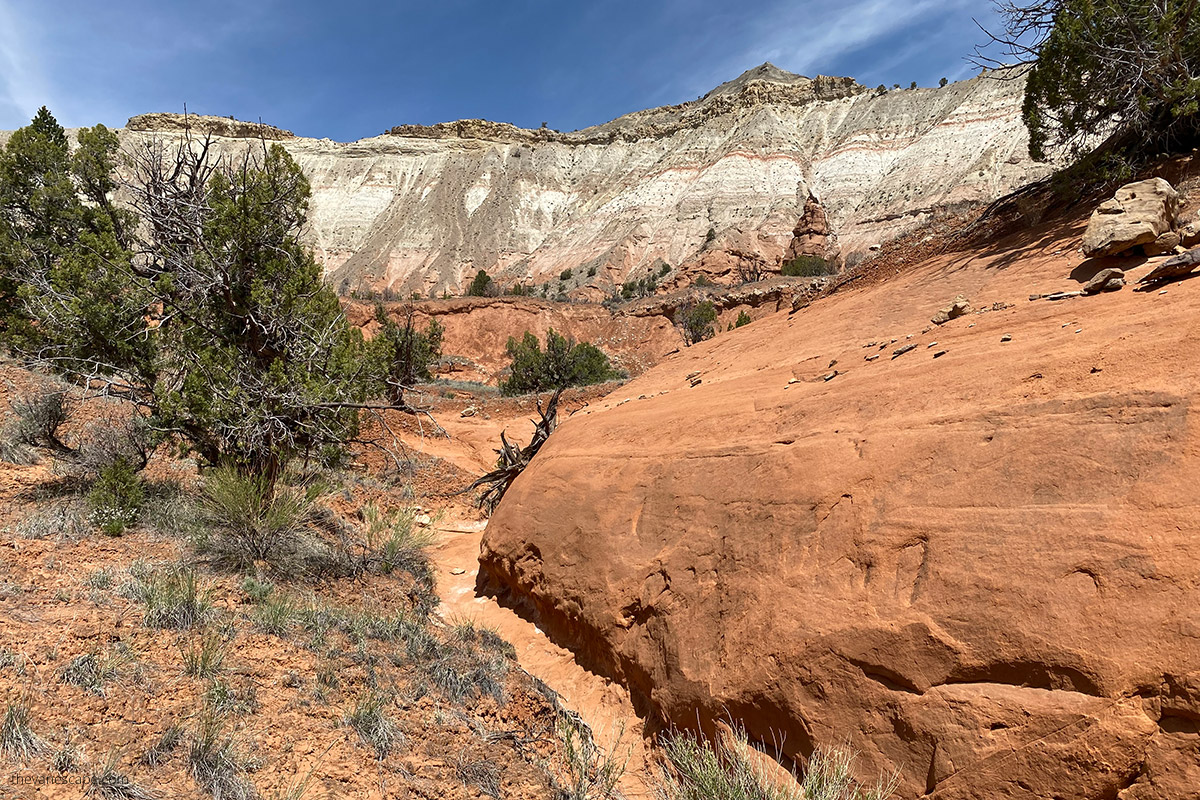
[(981, 569)]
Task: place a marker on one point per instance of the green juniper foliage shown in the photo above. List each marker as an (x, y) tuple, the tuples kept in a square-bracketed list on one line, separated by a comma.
[(697, 321), (564, 363), (1123, 71), (215, 322), (481, 285), (405, 354)]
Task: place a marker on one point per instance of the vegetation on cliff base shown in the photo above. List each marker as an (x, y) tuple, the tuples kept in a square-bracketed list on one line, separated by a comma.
[(808, 267), (563, 363), (696, 321), (732, 769)]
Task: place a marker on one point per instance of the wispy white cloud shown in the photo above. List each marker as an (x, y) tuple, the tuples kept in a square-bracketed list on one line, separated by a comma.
[(23, 85), (810, 37)]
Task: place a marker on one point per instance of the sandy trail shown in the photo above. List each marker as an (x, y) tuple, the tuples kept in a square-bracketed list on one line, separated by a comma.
[(603, 705)]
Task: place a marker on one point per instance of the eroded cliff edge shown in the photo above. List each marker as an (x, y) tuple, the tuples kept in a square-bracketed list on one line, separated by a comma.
[(420, 209)]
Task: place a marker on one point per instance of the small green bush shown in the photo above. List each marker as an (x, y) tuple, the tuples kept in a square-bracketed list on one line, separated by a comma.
[(808, 267), (697, 320), (565, 275), (742, 319), (116, 498), (481, 285), (564, 363)]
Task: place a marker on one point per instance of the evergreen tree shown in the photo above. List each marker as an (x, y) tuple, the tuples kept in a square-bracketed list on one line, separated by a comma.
[(216, 323), (564, 363), (405, 354), (697, 321), (1125, 71)]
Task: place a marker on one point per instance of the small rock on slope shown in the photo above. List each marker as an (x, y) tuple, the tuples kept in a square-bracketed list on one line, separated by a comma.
[(1106, 280), (957, 308)]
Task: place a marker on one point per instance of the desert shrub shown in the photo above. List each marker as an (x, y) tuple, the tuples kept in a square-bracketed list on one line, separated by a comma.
[(214, 760), (591, 273), (35, 423), (251, 521), (220, 698), (375, 727), (275, 614), (565, 275), (66, 758), (696, 321), (111, 439), (161, 750), (110, 783), (481, 285), (480, 774), (472, 663), (116, 497), (256, 589), (173, 598), (17, 739), (92, 672), (808, 267), (591, 773), (742, 319), (700, 770), (564, 363), (100, 579), (63, 517), (205, 656), (395, 541)]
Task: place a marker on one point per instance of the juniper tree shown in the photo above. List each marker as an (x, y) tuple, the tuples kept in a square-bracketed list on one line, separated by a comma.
[(204, 310), (1125, 71), (404, 354), (563, 363)]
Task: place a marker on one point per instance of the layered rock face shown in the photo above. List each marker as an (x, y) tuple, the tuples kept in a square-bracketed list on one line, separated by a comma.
[(423, 208), (980, 568)]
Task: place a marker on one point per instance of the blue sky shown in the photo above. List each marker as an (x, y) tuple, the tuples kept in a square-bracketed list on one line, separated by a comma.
[(351, 68)]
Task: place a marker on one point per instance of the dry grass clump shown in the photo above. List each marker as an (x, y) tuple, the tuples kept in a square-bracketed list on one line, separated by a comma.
[(375, 727), (173, 598), (17, 739), (734, 770), (590, 772), (64, 518), (92, 671), (109, 783), (215, 762), (205, 656), (161, 750)]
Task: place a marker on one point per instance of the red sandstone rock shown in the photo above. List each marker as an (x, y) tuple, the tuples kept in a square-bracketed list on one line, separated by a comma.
[(982, 571)]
